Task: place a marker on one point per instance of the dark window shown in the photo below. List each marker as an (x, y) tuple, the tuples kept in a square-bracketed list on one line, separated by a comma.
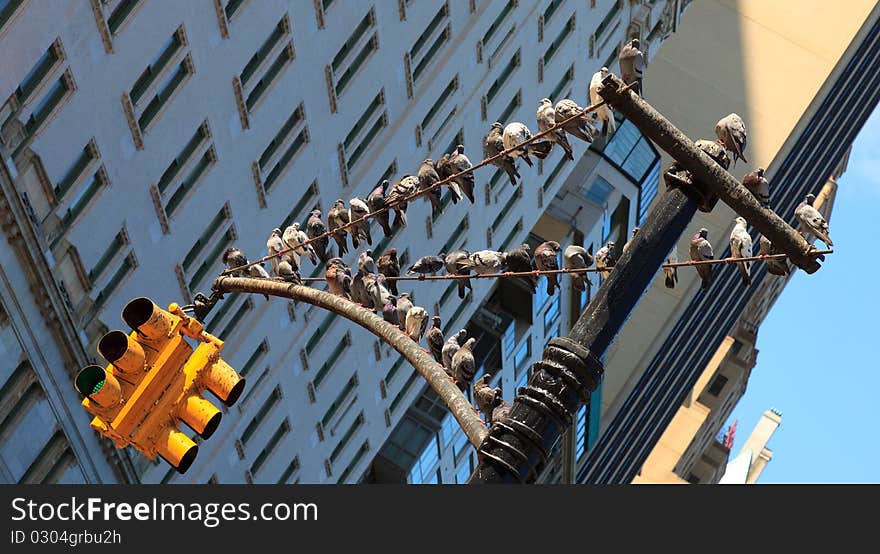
[(717, 385)]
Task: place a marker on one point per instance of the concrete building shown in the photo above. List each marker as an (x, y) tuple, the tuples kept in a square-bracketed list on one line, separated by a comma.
[(140, 139)]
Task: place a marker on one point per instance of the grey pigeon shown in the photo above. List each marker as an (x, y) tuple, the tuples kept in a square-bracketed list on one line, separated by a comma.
[(434, 338), (388, 265), (338, 278), (366, 262), (361, 230), (376, 202), (605, 259), (774, 266), (235, 258), (278, 251), (671, 273), (404, 305), (741, 247), (397, 195), (297, 240), (715, 150), (581, 126), (315, 228), (416, 323), (445, 171), (546, 116), (427, 265), (547, 259), (489, 400), (519, 260), (701, 250), (731, 131), (629, 241), (463, 365), (493, 144), (758, 186), (286, 272), (458, 163), (577, 257), (812, 220), (337, 219), (632, 65), (359, 292), (603, 112), (515, 134), (427, 177), (377, 286), (452, 267), (483, 262), (389, 312), (450, 347)]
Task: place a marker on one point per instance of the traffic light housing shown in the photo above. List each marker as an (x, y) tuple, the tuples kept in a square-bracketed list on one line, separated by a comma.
[(154, 380)]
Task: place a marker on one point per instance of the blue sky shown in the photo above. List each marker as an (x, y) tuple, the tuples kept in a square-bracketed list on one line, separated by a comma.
[(818, 360)]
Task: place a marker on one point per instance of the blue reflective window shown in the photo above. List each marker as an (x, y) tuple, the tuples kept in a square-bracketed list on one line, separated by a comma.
[(648, 191), (598, 192), (580, 433)]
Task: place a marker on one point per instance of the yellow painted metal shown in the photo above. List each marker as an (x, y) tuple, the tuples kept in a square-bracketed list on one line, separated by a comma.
[(176, 448), (123, 351)]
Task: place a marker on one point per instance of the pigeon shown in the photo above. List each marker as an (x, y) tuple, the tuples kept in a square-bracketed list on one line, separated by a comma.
[(287, 272), (389, 312), (434, 338), (337, 218), (577, 257), (416, 322), (603, 112), (388, 265), (483, 262), (775, 266), (463, 365), (546, 259), (671, 273), (427, 177), (376, 203), (404, 305), (338, 277), (731, 131), (361, 230), (715, 150), (632, 64), (315, 228), (428, 264), (581, 126), (459, 163), (501, 411), (813, 220), (452, 267), (450, 347), (445, 171), (605, 259), (546, 116), (276, 248), (489, 400), (359, 293), (758, 186), (404, 188), (519, 260), (741, 247), (377, 287), (629, 242), (493, 144), (701, 250), (366, 262), (235, 258), (515, 134), (297, 240)]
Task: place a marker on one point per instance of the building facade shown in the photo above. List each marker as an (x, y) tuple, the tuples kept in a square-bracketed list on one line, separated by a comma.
[(141, 138)]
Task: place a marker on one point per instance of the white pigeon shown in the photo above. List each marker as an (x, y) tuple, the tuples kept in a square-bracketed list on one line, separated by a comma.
[(517, 133), (295, 239), (546, 116), (577, 257), (731, 131), (483, 262), (416, 322), (812, 220), (741, 247), (276, 248), (603, 112)]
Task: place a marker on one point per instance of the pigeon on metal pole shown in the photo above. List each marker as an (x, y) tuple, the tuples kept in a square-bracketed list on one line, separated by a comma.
[(774, 266), (603, 112), (376, 203), (359, 294), (605, 259), (493, 144), (518, 260), (632, 65), (515, 134), (288, 272), (366, 262), (453, 268), (338, 278), (401, 189), (404, 305), (295, 239), (741, 247), (434, 338), (463, 365), (731, 131), (758, 186), (337, 218), (582, 127), (428, 264), (812, 219), (274, 247), (416, 323), (389, 312), (701, 250), (388, 265), (577, 257), (235, 258), (377, 286), (315, 228), (671, 273), (546, 116), (450, 347), (547, 259), (427, 177), (361, 230)]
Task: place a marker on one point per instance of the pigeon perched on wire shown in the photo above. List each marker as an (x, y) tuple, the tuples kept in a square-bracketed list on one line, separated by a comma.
[(452, 267), (427, 177), (337, 219), (776, 266), (315, 228), (361, 229), (731, 131), (515, 135), (483, 262), (493, 144), (605, 259), (434, 338), (388, 265), (458, 163), (428, 265), (701, 250), (671, 273), (296, 239), (359, 294), (632, 65), (581, 126), (758, 186), (812, 220), (404, 188), (577, 257), (338, 278), (445, 171), (546, 116), (416, 322), (463, 365), (547, 259), (377, 286), (450, 347), (276, 248), (366, 262), (376, 202), (235, 258), (741, 247), (603, 112), (404, 305), (519, 260)]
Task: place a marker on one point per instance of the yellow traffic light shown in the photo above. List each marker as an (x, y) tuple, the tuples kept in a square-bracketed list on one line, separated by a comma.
[(155, 380)]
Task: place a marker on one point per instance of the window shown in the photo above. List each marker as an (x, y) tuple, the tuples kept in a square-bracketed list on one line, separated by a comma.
[(456, 235), (128, 264), (463, 473), (365, 131), (319, 333), (552, 313), (494, 27), (502, 213), (429, 43), (246, 306), (521, 358), (598, 192), (273, 442), (271, 401), (288, 473), (559, 40), (258, 354), (511, 107), (7, 10), (580, 438), (84, 196), (192, 179), (253, 94), (343, 396), (51, 100), (566, 80), (606, 21), (88, 154), (513, 234), (551, 9), (119, 13), (438, 105), (351, 56), (332, 359), (119, 242), (402, 393), (354, 462), (305, 201), (219, 219), (165, 93), (296, 122), (44, 66), (631, 151), (424, 469), (209, 236), (355, 426), (174, 45), (648, 191), (717, 385), (505, 74), (557, 169)]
